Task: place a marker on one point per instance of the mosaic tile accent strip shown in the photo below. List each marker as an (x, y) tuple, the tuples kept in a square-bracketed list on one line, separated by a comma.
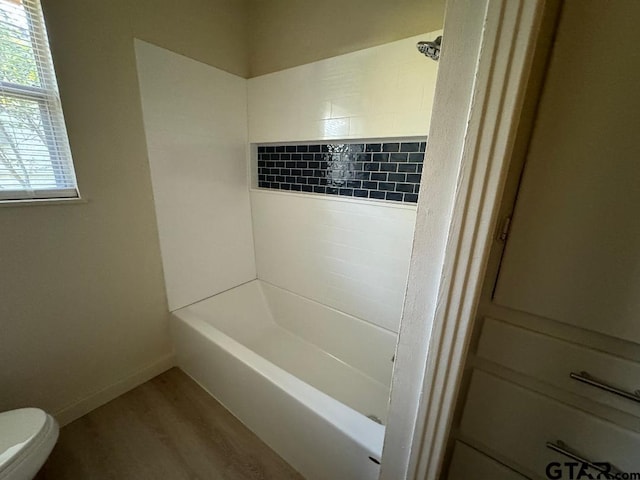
[(381, 171)]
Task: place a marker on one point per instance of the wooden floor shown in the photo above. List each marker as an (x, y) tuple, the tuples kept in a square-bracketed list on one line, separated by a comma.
[(168, 428)]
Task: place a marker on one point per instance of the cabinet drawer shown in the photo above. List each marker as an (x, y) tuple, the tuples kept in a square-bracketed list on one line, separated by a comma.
[(551, 360), (518, 423), (468, 463)]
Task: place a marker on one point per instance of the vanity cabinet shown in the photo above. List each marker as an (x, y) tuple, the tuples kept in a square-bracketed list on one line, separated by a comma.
[(554, 367), (531, 429), (566, 365)]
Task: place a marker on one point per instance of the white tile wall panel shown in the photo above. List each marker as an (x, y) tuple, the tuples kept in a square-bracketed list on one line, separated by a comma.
[(350, 255), (383, 91), (196, 127)]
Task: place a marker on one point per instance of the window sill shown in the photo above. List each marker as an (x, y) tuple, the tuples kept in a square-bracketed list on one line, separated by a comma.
[(42, 202)]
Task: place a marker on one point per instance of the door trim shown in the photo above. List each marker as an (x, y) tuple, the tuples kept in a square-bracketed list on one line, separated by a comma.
[(488, 49)]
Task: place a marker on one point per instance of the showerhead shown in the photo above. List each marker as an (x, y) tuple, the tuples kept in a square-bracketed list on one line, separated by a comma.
[(430, 49)]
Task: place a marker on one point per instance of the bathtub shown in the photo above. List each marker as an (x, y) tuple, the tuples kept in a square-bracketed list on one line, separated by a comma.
[(310, 381)]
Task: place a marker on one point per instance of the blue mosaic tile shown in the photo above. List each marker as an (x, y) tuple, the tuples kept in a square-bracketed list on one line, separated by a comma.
[(389, 171)]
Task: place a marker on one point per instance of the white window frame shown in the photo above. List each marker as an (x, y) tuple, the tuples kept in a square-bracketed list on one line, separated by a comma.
[(47, 97)]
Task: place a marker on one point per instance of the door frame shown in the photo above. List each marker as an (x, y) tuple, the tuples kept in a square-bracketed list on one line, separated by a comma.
[(485, 66)]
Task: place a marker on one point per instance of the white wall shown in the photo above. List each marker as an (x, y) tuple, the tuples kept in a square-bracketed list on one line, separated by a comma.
[(384, 91), (349, 254), (196, 128)]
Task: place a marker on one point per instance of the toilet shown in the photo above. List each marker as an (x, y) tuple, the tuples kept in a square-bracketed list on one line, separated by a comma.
[(27, 436)]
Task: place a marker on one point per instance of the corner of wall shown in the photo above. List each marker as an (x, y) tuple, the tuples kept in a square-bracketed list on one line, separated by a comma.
[(102, 396)]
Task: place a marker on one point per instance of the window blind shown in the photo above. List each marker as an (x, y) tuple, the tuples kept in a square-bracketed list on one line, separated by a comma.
[(35, 159)]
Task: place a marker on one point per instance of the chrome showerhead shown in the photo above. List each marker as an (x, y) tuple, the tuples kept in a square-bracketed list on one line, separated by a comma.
[(430, 49)]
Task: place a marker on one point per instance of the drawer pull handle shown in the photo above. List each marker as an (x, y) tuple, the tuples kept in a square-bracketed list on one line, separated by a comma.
[(584, 377), (563, 449)]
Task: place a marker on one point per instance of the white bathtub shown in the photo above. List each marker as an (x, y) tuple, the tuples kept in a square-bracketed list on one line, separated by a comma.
[(302, 376)]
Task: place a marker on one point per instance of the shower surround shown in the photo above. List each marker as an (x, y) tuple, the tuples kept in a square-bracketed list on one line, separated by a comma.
[(300, 273)]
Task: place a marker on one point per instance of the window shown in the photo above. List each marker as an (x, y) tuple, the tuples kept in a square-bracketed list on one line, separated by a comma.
[(35, 159)]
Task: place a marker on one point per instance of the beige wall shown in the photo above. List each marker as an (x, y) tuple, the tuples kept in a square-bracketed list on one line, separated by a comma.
[(82, 301), (286, 33)]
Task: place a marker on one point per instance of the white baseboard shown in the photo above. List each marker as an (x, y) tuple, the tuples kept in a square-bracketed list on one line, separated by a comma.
[(77, 409)]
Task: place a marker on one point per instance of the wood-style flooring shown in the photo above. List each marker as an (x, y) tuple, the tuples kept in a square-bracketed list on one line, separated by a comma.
[(168, 428)]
